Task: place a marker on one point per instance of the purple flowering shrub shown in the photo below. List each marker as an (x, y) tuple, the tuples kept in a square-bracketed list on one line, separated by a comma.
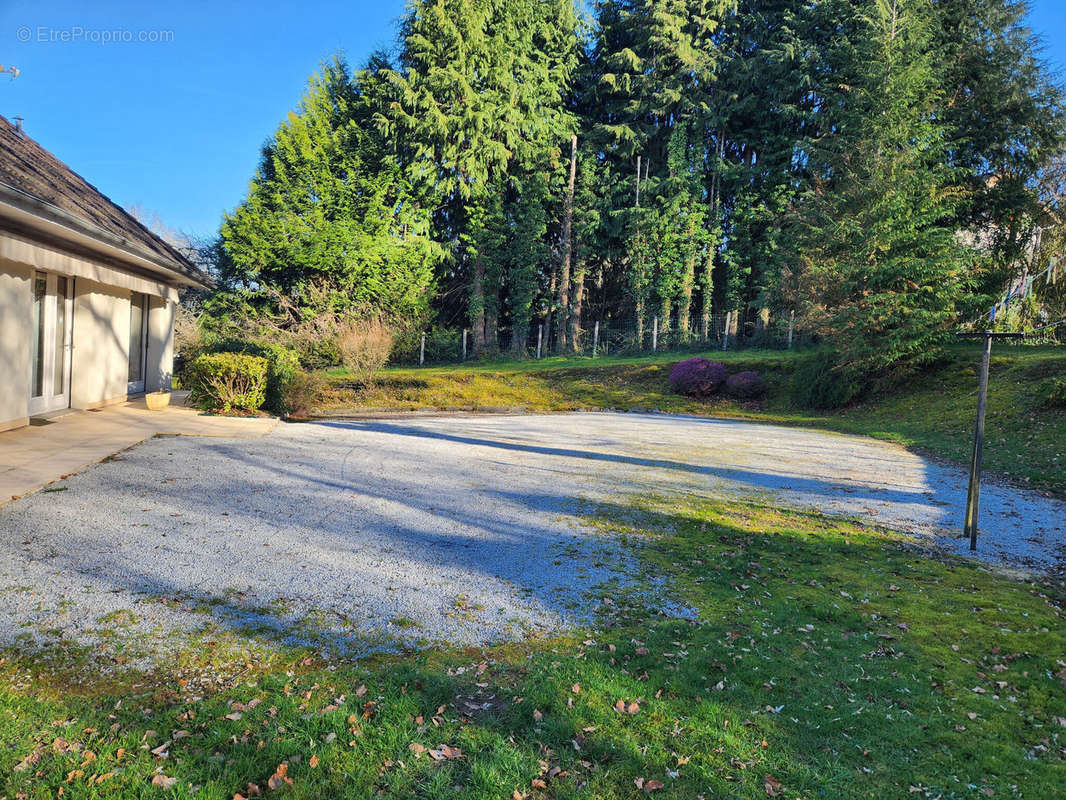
[(697, 377), (745, 386)]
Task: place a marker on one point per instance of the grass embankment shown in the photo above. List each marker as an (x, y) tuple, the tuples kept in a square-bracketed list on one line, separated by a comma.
[(934, 412), (825, 659)]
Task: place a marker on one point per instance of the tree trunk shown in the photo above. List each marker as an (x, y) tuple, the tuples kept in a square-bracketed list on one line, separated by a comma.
[(577, 297), (684, 306), (477, 305), (568, 226), (707, 286), (640, 323)]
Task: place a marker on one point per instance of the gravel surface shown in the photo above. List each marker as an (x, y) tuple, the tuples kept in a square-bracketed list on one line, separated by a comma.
[(465, 529)]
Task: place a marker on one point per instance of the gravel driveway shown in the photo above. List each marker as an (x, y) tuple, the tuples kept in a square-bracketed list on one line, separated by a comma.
[(429, 529)]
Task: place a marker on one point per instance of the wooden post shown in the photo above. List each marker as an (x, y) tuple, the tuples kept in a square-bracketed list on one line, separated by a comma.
[(706, 327), (973, 494), (655, 334), (464, 344), (595, 338), (725, 332), (540, 338), (791, 325), (422, 350)]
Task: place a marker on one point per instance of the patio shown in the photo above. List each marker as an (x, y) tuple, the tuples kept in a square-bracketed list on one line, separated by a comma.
[(48, 449)]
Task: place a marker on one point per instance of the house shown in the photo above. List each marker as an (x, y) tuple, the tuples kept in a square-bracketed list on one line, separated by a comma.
[(87, 293)]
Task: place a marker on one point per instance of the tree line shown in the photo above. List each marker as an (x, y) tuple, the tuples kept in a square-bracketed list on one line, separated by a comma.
[(872, 165)]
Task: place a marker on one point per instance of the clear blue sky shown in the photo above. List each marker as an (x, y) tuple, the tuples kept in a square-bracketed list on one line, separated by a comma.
[(175, 126)]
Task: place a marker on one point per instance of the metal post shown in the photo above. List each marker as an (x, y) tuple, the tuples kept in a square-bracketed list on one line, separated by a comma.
[(791, 324), (973, 496), (422, 350), (595, 338), (725, 330), (655, 334), (464, 344), (540, 338)]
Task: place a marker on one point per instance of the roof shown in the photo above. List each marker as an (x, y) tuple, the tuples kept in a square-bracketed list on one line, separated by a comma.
[(38, 177)]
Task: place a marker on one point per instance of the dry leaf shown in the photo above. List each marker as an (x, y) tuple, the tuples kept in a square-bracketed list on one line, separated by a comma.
[(772, 786), (537, 716), (163, 781), (653, 786), (446, 753), (313, 762), (361, 690)]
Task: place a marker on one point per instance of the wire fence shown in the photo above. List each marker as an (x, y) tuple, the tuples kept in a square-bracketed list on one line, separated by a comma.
[(607, 337)]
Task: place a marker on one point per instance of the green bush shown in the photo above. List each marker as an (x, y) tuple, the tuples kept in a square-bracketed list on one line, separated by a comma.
[(821, 382), (227, 381), (1052, 393), (283, 364)]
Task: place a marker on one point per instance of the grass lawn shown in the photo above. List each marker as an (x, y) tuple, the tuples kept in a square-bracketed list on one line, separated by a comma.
[(935, 413), (819, 659)]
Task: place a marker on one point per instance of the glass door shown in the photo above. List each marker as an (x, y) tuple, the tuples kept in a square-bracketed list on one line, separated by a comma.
[(50, 342), (138, 341)]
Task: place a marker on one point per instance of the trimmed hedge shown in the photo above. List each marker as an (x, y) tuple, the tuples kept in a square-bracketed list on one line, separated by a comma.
[(283, 364), (227, 381), (697, 377)]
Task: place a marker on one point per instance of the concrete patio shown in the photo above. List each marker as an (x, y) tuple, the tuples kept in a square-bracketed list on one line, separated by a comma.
[(36, 455)]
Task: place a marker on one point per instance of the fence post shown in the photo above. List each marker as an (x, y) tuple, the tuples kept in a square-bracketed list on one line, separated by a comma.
[(706, 327), (595, 338), (655, 334), (422, 350), (540, 338), (791, 324), (725, 331), (464, 344)]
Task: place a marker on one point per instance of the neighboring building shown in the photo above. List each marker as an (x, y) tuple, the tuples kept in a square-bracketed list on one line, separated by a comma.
[(87, 293)]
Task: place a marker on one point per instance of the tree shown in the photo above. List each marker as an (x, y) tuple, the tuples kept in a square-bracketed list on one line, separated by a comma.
[(881, 265), (479, 99), (329, 213)]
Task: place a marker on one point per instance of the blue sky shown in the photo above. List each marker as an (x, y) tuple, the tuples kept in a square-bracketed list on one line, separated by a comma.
[(174, 124)]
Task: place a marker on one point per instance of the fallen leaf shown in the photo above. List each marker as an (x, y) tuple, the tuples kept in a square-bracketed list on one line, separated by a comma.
[(313, 762), (537, 716), (653, 786), (163, 781), (446, 753), (772, 786), (361, 690)]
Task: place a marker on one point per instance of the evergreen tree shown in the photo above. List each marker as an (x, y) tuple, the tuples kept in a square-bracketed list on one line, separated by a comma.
[(882, 266), (329, 212), (479, 99)]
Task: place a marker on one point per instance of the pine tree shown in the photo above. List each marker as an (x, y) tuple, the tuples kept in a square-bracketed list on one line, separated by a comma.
[(480, 98), (329, 210), (882, 267)]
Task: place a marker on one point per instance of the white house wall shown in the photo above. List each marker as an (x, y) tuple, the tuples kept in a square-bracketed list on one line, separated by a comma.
[(16, 327)]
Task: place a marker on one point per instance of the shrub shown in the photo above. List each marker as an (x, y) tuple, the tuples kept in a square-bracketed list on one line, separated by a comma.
[(745, 386), (228, 381), (364, 346), (303, 392), (822, 382), (1052, 393), (282, 364), (697, 377)]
